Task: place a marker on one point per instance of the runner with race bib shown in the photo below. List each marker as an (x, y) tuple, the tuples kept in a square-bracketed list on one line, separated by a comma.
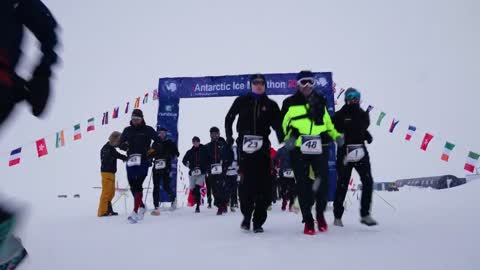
[(353, 121), (307, 123), (257, 114)]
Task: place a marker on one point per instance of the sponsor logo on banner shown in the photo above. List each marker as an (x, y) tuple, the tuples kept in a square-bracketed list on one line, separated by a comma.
[(321, 81), (171, 86), (168, 108)]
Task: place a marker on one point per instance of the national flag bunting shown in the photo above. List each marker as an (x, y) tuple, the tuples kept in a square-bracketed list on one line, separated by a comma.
[(145, 98), (380, 118), (60, 141), (472, 162), (446, 151), (137, 103), (426, 141), (126, 107), (105, 119), (370, 108), (41, 147), (15, 156), (115, 112), (77, 134), (155, 94), (91, 124), (393, 125), (410, 132)]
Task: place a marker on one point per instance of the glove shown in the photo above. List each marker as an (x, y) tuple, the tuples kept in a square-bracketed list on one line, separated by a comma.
[(290, 144), (340, 141), (151, 153), (124, 146), (230, 141), (368, 137), (39, 88)]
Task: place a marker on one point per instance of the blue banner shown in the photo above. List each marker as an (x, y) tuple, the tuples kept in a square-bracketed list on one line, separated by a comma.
[(171, 90)]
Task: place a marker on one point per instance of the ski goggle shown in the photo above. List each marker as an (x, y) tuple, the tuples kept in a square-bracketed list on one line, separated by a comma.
[(352, 96), (306, 82), (258, 82), (136, 118)]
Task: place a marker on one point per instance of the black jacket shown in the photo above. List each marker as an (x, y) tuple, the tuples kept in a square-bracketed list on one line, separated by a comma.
[(109, 156), (353, 122), (165, 149), (196, 158), (34, 15), (137, 140), (256, 115), (219, 152), (317, 103)]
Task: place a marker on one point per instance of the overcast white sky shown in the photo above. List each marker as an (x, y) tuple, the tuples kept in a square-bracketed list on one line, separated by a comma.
[(416, 60)]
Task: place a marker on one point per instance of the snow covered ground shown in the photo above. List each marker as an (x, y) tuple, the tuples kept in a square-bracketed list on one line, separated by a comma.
[(430, 229)]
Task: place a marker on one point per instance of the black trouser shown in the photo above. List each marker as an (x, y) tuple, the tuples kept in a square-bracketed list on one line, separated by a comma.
[(197, 195), (287, 189), (344, 174), (301, 164), (219, 189), (232, 189), (162, 177), (274, 188), (210, 186), (255, 186)]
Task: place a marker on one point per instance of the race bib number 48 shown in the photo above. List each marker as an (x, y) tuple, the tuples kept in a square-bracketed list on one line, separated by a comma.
[(216, 169), (134, 160), (311, 145), (252, 144)]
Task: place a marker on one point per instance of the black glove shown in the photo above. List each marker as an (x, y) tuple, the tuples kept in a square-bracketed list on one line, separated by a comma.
[(368, 137), (124, 146), (39, 88), (230, 141)]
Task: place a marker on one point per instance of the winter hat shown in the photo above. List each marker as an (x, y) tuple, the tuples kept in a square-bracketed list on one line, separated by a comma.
[(351, 94), (137, 113), (195, 139), (258, 76), (304, 74), (214, 129), (162, 129)]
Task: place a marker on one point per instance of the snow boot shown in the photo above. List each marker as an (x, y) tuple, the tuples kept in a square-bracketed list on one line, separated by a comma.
[(309, 228), (284, 205), (322, 224), (258, 229), (368, 220), (245, 225), (338, 222)]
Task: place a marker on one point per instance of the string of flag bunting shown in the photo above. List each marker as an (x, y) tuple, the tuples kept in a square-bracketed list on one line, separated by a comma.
[(41, 144), (471, 162)]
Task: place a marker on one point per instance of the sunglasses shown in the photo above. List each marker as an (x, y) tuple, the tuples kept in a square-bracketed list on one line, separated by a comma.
[(258, 82), (136, 118), (306, 82)]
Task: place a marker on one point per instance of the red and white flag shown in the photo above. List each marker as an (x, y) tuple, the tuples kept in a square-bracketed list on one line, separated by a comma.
[(15, 156), (410, 132), (426, 140), (42, 148)]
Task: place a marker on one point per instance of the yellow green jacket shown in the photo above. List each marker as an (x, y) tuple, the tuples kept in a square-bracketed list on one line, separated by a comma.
[(294, 111)]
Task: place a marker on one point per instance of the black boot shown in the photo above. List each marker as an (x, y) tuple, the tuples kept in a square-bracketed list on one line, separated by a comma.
[(110, 210)]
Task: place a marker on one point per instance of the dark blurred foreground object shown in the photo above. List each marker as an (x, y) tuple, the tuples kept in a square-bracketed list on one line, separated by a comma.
[(35, 16)]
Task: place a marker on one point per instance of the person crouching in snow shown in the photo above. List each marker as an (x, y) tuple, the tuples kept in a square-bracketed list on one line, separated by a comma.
[(109, 156)]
